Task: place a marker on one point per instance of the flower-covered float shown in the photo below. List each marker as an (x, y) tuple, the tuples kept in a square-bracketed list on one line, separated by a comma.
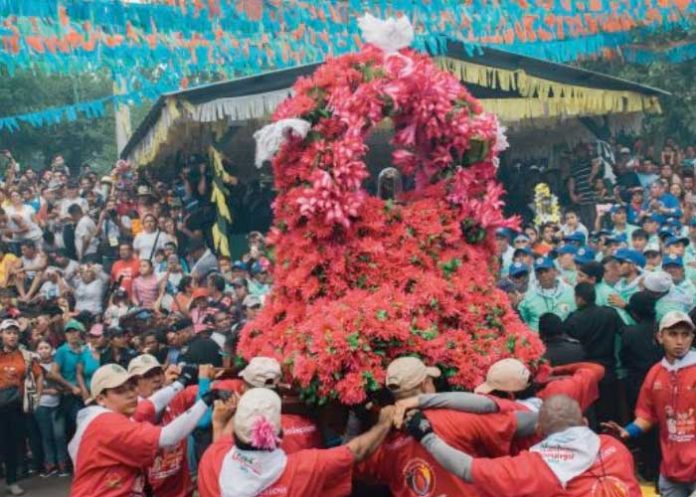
[(359, 280)]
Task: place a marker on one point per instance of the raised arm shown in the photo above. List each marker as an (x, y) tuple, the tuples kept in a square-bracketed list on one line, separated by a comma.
[(364, 445)]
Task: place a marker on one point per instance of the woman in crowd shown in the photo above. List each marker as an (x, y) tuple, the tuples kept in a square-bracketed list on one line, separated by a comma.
[(15, 365), (145, 286), (50, 419), (182, 300), (89, 291), (150, 239), (22, 224), (91, 358)]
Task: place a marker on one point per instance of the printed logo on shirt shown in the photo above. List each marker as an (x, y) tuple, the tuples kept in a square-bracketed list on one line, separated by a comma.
[(420, 477), (609, 486), (681, 426), (657, 385)]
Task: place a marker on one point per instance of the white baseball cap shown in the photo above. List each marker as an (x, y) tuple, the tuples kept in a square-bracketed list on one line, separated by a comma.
[(142, 364), (506, 375), (262, 372), (673, 318), (657, 281), (256, 406), (9, 323), (406, 373), (107, 376)]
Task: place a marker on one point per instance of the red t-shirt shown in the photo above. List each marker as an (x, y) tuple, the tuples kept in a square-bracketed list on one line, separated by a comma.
[(410, 471), (169, 474), (308, 473), (299, 432), (582, 385), (668, 399), (527, 475), (112, 452), (129, 270)]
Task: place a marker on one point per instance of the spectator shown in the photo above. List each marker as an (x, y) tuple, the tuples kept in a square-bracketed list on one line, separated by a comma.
[(560, 348), (548, 294), (50, 419), (33, 262), (15, 365), (89, 290), (203, 261), (86, 235), (596, 328), (126, 269), (150, 239), (117, 350), (146, 286)]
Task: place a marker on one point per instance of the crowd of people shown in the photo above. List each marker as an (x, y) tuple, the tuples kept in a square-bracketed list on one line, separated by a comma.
[(118, 366), (101, 270), (597, 283)]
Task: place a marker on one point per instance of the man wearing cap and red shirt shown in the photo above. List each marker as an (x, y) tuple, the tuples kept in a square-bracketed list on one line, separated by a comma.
[(251, 463), (547, 294), (403, 464), (572, 461), (509, 388), (299, 431), (159, 405), (110, 450), (668, 399)]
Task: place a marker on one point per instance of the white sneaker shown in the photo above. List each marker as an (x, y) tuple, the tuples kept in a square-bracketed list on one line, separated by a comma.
[(15, 489)]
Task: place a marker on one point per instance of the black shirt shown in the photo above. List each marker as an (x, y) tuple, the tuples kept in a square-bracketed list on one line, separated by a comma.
[(107, 357), (639, 349), (201, 350), (561, 350), (596, 327)]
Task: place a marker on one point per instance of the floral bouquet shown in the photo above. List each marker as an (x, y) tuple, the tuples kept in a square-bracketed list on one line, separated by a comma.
[(358, 280)]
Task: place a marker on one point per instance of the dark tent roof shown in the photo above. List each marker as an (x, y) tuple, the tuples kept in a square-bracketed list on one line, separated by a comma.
[(499, 59)]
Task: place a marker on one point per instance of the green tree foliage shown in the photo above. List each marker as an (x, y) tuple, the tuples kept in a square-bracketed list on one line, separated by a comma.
[(83, 140), (678, 119)]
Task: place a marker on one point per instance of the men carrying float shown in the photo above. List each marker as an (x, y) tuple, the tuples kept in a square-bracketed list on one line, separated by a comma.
[(403, 465), (109, 449), (571, 460), (252, 462)]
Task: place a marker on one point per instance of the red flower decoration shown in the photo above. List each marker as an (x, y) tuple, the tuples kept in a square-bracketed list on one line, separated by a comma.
[(360, 281)]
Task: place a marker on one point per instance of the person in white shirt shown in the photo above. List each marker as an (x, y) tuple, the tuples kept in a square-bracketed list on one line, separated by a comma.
[(72, 197), (86, 234), (21, 218), (148, 241)]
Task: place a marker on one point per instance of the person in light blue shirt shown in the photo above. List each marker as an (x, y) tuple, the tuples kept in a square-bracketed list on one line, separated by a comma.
[(669, 298), (548, 294), (651, 224), (674, 265), (620, 221), (566, 265)]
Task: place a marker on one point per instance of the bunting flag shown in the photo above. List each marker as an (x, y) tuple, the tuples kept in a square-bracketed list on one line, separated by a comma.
[(671, 54), (81, 35), (234, 38)]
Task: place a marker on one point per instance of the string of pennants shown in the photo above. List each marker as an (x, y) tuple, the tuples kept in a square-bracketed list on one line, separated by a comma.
[(235, 38)]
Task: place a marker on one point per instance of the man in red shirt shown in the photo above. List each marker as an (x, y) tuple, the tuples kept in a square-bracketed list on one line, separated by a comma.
[(407, 468), (299, 432), (252, 464), (572, 461), (109, 449), (124, 270), (668, 399), (159, 405)]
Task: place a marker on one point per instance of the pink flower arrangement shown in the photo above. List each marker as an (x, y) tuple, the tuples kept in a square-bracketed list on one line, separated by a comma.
[(360, 281)]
